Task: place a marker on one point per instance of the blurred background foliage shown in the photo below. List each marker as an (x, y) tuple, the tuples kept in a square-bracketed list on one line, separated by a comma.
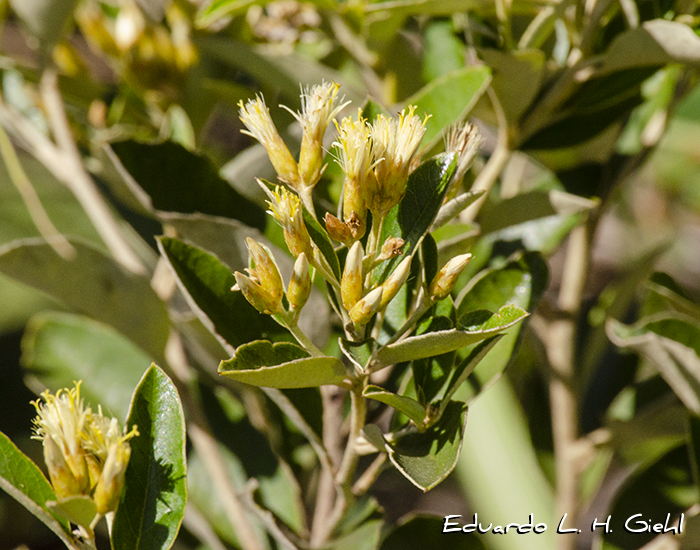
[(591, 115)]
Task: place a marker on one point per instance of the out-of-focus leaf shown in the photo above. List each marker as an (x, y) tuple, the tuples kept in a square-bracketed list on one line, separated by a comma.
[(281, 365), (435, 343), (425, 531), (412, 217), (177, 180), (655, 42), (672, 345), (670, 295), (23, 481), (525, 207), (59, 348), (443, 50), (520, 282), (427, 458), (247, 454), (429, 254), (498, 459), (449, 98), (362, 537), (93, 284), (207, 283), (410, 407), (278, 72), (153, 500), (665, 489), (582, 126), (45, 19), (428, 7), (517, 78), (372, 110)]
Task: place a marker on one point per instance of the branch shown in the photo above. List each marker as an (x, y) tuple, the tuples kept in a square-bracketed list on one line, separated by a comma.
[(73, 174)]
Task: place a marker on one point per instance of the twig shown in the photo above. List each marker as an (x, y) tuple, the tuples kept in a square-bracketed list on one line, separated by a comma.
[(31, 200), (560, 345), (267, 519), (73, 174), (198, 525), (369, 476)]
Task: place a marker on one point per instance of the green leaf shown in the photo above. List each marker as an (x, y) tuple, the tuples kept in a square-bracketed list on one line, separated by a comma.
[(425, 531), (78, 509), (671, 295), (322, 240), (218, 9), (520, 282), (362, 537), (59, 348), (460, 374), (436, 343), (153, 500), (412, 217), (358, 352), (449, 98), (281, 365), (93, 284), (410, 407), (429, 374), (429, 254), (207, 283), (427, 458), (672, 345), (178, 180), (23, 481)]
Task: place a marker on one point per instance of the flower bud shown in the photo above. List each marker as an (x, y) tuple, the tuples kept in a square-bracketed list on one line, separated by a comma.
[(395, 281), (299, 284), (445, 280), (337, 230), (109, 486), (266, 270), (464, 140), (351, 282), (258, 297), (256, 117), (319, 106), (286, 208), (363, 310)]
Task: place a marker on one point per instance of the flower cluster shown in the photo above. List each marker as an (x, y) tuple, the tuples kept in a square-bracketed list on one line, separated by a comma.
[(86, 453), (376, 159)]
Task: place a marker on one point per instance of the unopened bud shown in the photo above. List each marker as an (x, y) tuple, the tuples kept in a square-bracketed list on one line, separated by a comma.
[(266, 270), (299, 284), (368, 306), (109, 486), (338, 231), (259, 298), (445, 280), (395, 281), (351, 282), (393, 246), (464, 140)]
